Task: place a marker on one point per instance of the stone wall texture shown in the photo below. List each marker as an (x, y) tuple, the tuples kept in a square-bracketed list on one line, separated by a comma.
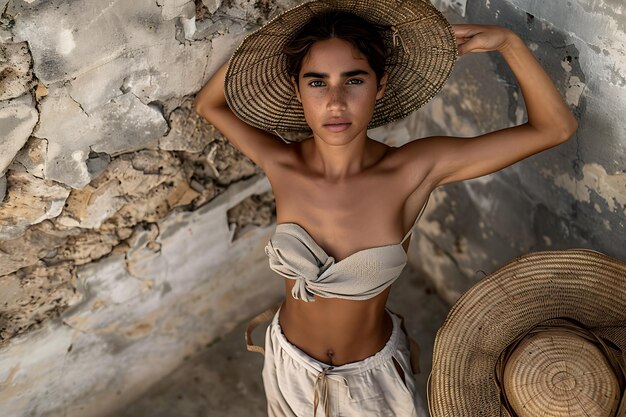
[(132, 232), (130, 229)]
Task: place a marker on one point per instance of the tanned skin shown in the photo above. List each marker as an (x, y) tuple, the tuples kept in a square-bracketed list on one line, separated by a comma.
[(350, 192)]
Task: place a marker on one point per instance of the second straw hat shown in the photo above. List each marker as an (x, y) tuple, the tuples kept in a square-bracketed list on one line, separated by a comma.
[(545, 335), (423, 52)]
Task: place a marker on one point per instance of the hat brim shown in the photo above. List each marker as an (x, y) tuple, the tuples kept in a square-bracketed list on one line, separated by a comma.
[(580, 284), (259, 91)]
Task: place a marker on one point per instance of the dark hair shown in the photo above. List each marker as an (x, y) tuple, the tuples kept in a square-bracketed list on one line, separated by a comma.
[(362, 34)]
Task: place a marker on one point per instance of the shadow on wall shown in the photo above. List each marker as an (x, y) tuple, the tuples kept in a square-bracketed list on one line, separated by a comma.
[(573, 195)]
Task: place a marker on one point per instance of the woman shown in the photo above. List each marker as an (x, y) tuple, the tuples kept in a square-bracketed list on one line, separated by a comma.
[(343, 200)]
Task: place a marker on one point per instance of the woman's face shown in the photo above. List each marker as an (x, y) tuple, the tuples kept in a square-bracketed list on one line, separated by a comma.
[(338, 90)]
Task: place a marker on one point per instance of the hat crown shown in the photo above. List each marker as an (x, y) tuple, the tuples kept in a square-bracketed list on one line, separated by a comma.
[(559, 373)]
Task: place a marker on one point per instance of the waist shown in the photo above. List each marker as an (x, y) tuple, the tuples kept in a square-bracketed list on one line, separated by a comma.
[(337, 331)]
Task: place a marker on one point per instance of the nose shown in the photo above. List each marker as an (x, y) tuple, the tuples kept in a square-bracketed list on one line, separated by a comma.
[(336, 98)]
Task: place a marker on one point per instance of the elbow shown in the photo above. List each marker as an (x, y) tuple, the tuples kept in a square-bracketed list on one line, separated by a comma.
[(571, 130), (201, 111), (568, 130), (206, 110), (196, 106)]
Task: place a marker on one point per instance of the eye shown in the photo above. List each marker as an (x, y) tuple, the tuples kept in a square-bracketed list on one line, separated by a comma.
[(316, 83), (355, 81)]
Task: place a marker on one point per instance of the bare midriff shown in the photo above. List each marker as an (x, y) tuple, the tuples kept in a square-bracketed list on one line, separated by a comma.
[(336, 331)]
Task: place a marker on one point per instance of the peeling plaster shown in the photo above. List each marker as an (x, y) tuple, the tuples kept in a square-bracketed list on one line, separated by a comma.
[(189, 27), (32, 157), (171, 9), (32, 295), (123, 320), (585, 23), (15, 69), (575, 86), (18, 117), (133, 189), (575, 89), (457, 5), (66, 42), (188, 131), (610, 187), (211, 5), (122, 125), (29, 200)]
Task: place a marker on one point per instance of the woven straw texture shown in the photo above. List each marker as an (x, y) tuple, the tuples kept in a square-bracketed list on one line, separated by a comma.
[(576, 285), (549, 371), (259, 91)]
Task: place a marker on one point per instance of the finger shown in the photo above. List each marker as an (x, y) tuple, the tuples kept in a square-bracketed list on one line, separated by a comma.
[(461, 26), (474, 43), (460, 33), (466, 30)]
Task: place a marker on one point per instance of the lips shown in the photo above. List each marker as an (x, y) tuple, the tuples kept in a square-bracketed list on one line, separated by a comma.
[(337, 124)]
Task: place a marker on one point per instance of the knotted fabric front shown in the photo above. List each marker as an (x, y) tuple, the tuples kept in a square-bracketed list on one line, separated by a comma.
[(295, 255), (299, 263)]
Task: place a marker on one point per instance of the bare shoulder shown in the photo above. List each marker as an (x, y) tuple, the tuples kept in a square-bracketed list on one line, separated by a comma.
[(414, 161), (416, 150), (284, 163)]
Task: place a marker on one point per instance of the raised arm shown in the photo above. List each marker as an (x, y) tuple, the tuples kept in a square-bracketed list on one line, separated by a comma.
[(550, 121), (258, 145)]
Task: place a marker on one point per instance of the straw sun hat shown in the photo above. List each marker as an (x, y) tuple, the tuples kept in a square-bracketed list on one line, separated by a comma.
[(545, 335), (423, 52)]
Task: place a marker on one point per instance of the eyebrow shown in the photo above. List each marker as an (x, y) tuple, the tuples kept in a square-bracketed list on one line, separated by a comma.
[(343, 74)]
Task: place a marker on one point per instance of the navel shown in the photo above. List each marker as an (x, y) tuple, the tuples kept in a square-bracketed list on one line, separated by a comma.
[(330, 354)]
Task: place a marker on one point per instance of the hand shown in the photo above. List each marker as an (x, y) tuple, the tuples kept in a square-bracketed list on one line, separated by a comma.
[(482, 38)]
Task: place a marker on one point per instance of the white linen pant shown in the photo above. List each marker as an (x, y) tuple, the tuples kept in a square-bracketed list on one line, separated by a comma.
[(297, 385)]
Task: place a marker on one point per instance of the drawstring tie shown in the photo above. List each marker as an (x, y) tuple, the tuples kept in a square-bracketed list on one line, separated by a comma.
[(321, 385), (321, 380)]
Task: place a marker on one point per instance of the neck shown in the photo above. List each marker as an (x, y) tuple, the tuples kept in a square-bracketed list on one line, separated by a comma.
[(336, 162)]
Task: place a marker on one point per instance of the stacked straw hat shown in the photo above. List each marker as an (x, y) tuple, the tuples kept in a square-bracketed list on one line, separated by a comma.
[(422, 49), (545, 335)]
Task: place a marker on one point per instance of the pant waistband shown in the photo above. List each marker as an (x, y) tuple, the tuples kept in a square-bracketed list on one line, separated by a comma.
[(352, 368)]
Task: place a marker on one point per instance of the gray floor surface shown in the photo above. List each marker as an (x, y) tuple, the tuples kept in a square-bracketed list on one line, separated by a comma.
[(225, 379)]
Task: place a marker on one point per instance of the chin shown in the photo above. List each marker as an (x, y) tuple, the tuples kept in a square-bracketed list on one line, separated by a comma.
[(338, 139), (335, 140)]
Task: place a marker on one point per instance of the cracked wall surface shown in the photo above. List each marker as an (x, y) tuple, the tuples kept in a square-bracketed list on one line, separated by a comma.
[(131, 231), (573, 195), (118, 202)]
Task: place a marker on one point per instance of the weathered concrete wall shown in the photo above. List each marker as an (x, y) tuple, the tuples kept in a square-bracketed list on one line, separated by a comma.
[(131, 232), (573, 195), (137, 315)]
